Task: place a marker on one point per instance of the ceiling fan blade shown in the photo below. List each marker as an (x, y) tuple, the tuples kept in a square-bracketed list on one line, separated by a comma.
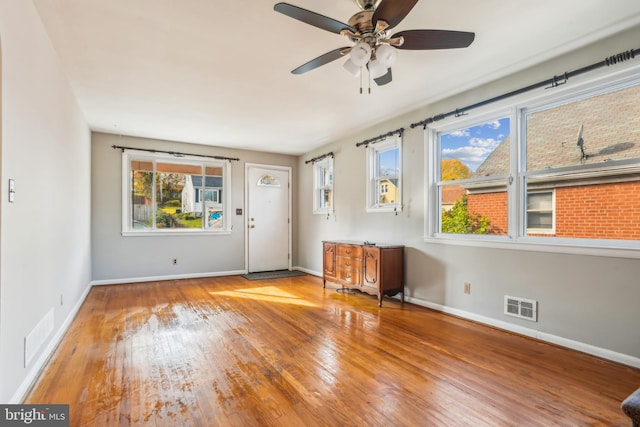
[(383, 80), (311, 18), (392, 11), (320, 60), (434, 39)]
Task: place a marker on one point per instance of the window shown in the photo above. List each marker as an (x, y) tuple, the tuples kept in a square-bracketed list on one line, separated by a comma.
[(384, 169), (323, 186), (166, 194), (563, 170), (587, 147), (472, 178), (540, 213), (268, 181)]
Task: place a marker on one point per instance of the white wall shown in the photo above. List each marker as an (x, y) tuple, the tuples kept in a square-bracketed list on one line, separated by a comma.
[(117, 258), (588, 302), (45, 234)]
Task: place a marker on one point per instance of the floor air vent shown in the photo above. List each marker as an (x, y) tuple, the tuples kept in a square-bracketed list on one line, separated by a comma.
[(520, 307)]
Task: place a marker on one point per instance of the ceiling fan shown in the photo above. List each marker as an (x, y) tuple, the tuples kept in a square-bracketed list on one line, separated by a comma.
[(367, 29)]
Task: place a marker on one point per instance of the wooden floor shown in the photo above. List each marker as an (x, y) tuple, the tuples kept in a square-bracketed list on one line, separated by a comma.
[(286, 352)]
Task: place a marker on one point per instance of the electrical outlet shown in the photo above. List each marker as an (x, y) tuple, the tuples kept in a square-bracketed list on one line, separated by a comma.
[(467, 287), (175, 261)]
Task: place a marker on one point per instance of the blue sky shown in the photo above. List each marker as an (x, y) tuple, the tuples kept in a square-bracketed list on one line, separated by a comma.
[(473, 145), (389, 164)]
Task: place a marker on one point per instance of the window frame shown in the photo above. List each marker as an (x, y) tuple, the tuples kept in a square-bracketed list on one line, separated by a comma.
[(517, 238), (389, 143), (320, 186), (127, 230)]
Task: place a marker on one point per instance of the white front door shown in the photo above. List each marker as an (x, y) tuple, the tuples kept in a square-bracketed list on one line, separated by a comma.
[(268, 218)]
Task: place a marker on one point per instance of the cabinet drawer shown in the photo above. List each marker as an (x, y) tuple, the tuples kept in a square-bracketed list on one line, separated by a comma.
[(349, 276), (350, 251), (349, 263)]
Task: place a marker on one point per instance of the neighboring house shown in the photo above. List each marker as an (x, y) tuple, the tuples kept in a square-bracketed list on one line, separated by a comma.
[(585, 202), (195, 197), (388, 191), (450, 195)]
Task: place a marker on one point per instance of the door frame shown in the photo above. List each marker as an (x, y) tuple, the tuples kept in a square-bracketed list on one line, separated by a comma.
[(247, 167)]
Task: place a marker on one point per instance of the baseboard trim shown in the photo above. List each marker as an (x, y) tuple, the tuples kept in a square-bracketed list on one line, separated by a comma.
[(169, 277), (306, 270), (603, 353), (39, 364)]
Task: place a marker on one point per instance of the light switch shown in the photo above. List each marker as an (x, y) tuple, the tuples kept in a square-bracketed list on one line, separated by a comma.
[(12, 191)]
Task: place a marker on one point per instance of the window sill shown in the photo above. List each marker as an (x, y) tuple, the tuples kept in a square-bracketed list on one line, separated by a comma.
[(613, 249), (171, 233), (384, 209)]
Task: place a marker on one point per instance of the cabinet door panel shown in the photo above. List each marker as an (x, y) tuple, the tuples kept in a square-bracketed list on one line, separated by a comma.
[(371, 267), (329, 260)]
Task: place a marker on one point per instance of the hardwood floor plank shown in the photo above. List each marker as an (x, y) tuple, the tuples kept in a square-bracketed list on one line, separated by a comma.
[(287, 352)]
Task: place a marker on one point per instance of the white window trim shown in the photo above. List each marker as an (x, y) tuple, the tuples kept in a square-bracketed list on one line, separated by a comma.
[(326, 163), (537, 99), (127, 231), (372, 149)]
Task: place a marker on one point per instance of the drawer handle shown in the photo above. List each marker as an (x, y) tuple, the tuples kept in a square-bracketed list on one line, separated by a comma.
[(348, 276), (348, 264), (347, 252)]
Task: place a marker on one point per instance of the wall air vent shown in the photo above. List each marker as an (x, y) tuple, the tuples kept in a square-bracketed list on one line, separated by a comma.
[(37, 337), (521, 307)]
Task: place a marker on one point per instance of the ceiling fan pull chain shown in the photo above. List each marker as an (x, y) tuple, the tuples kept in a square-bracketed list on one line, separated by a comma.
[(361, 81)]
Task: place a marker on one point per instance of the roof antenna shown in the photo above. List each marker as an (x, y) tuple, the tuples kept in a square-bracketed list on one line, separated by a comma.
[(583, 155)]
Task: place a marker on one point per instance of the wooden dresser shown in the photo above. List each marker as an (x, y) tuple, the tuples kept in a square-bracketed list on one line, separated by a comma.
[(374, 269)]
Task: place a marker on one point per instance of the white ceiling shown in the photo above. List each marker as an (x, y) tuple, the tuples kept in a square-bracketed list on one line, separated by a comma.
[(218, 72)]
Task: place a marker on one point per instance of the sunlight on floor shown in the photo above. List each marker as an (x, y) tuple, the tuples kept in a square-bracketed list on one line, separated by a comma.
[(267, 293)]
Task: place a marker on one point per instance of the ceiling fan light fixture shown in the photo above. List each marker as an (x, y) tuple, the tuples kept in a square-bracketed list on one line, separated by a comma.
[(352, 68), (386, 55), (360, 54), (377, 69)]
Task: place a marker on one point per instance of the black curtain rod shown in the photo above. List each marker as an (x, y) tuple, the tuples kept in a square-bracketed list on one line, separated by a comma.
[(555, 81), (175, 153), (380, 137), (317, 159)]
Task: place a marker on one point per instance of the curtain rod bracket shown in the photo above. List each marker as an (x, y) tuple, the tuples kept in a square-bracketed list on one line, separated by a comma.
[(558, 81)]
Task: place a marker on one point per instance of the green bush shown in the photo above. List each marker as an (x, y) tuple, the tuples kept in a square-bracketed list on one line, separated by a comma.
[(166, 220), (187, 216), (459, 221), (173, 203)]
